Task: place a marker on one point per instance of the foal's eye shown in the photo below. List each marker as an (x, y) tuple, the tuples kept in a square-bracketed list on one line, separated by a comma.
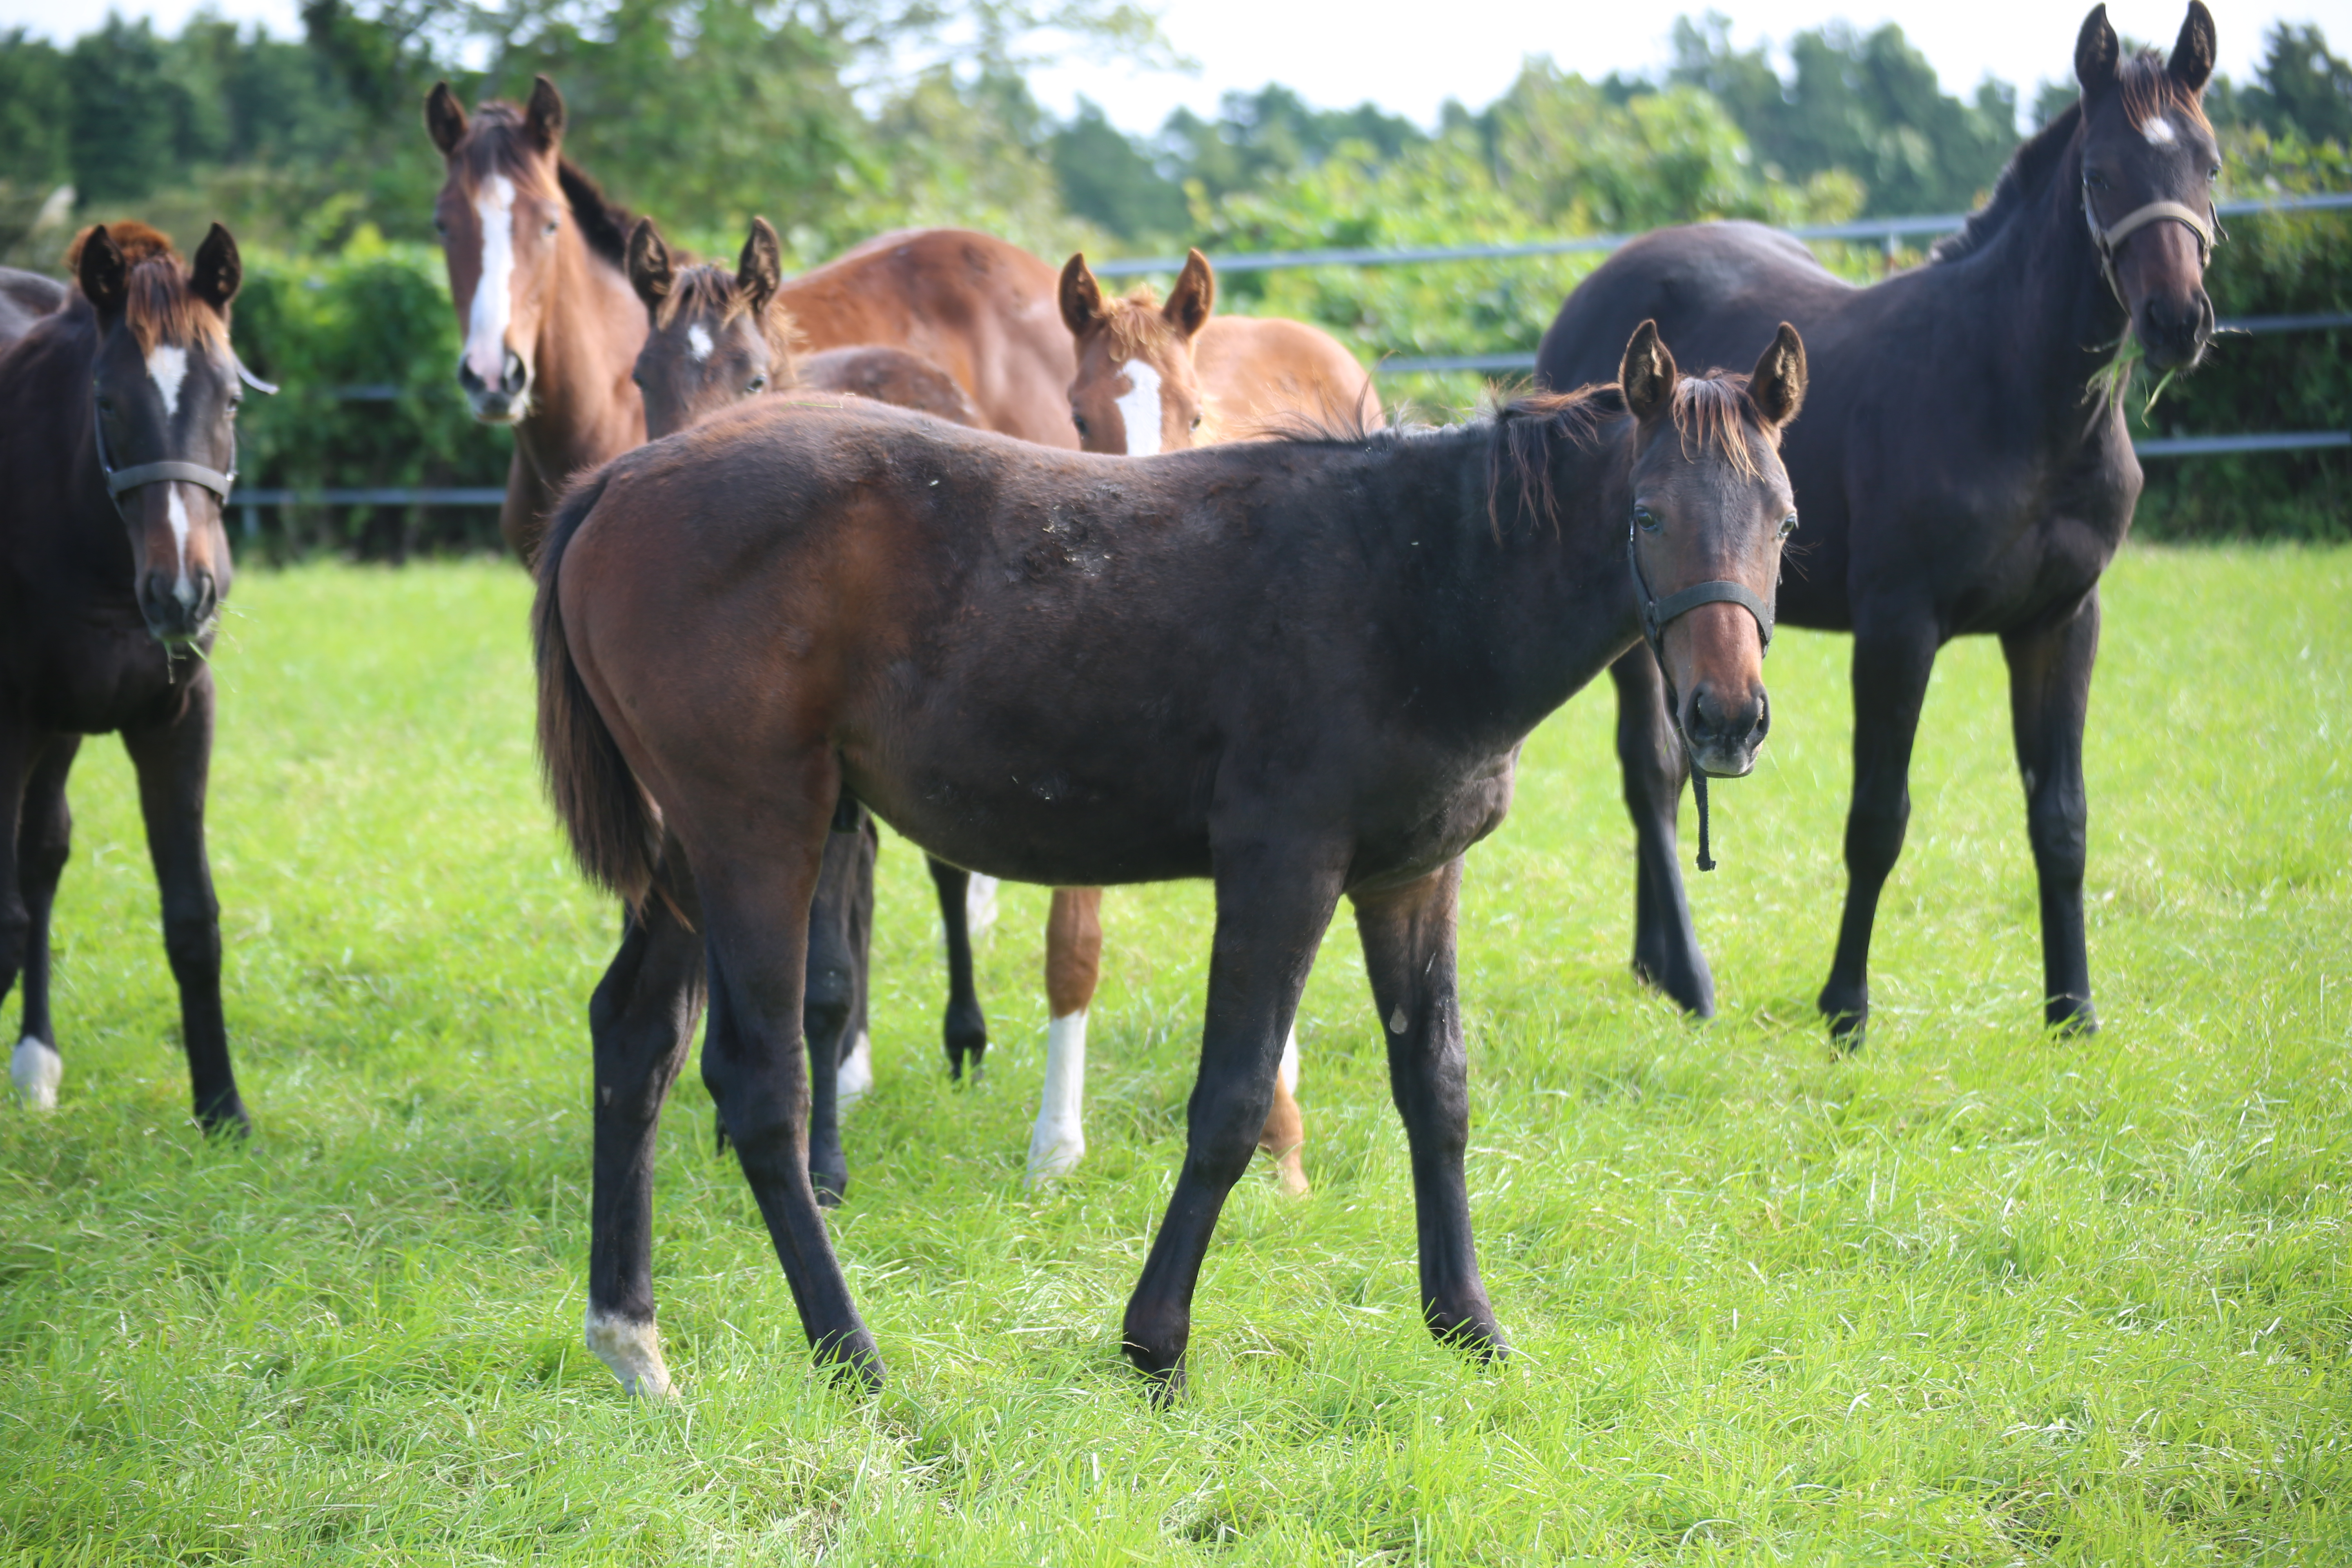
[(1080, 421), (1787, 525), (441, 228), (2095, 180), (1646, 520), (757, 383), (548, 227), (2213, 173), (1196, 422)]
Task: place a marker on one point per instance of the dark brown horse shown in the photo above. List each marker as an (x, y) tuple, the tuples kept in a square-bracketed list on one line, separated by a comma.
[(25, 298), (1962, 470), (1300, 668), (117, 446)]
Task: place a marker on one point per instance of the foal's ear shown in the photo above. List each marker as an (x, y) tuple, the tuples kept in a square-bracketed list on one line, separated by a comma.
[(759, 271), (444, 118), (1647, 375), (104, 274), (1082, 301), (218, 270), (2098, 55), (1194, 296), (543, 117), (1778, 386), (2198, 47), (651, 273)]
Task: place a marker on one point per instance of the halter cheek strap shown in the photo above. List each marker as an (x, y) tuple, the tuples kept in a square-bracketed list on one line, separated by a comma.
[(2108, 239), (1657, 614)]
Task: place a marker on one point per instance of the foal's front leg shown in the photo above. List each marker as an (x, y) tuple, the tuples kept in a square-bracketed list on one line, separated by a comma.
[(173, 761), (1408, 938), (1666, 953), (43, 835), (641, 1020), (2049, 696), (1272, 904)]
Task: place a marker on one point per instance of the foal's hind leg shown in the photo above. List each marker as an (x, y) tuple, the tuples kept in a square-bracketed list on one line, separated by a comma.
[(1666, 953), (43, 835), (966, 1030), (641, 1019), (1073, 964), (1408, 937), (1272, 904), (840, 925), (2049, 696), (758, 875)]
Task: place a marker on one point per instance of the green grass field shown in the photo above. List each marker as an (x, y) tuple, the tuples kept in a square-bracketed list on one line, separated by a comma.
[(1977, 1296)]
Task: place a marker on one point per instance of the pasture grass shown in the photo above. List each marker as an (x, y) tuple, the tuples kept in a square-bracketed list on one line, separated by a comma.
[(1979, 1295)]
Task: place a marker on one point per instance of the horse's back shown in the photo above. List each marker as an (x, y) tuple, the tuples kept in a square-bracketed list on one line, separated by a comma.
[(25, 298), (1255, 370), (1711, 288), (889, 376)]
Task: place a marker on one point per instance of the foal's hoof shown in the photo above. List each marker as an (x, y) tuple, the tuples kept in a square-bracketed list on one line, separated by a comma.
[(1686, 980), (851, 1361), (1471, 1331), (37, 1070), (632, 1351), (964, 1031), (1847, 1013), (225, 1118), (1163, 1382), (831, 1184), (2070, 1015)]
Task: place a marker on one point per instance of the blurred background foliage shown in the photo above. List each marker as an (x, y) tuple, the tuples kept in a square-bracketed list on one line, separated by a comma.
[(839, 119)]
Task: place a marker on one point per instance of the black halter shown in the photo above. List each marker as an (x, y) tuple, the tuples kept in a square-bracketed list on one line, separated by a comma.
[(119, 481), (1656, 614)]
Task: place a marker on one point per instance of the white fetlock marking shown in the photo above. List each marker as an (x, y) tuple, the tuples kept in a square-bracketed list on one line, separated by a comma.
[(1059, 1139), (855, 1079), (634, 1352), (1288, 1069), (980, 905), (36, 1071)]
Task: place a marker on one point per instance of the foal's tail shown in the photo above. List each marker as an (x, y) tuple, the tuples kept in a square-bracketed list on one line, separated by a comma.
[(604, 809)]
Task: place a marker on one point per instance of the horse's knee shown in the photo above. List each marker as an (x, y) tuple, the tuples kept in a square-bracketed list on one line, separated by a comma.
[(192, 938), (1224, 1133), (2057, 821), (1874, 835)]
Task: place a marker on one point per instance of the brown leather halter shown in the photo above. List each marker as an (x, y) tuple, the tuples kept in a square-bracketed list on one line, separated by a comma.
[(2206, 226)]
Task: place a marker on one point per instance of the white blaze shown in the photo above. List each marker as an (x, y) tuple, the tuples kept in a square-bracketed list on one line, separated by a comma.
[(176, 509), (2158, 132), (486, 328), (697, 342), (167, 367), (1140, 410), (1059, 1139)]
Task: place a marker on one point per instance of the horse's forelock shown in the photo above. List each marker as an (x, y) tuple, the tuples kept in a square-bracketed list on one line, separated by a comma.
[(709, 289), (1136, 325), (494, 144), (2149, 88), (1715, 410)]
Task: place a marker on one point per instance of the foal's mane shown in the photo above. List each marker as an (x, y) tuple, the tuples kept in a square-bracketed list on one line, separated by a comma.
[(494, 144), (2148, 89), (709, 288), (160, 308)]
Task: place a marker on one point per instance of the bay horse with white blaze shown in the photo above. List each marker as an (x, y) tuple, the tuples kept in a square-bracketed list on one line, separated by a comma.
[(1981, 485), (1156, 377), (1301, 667), (117, 448)]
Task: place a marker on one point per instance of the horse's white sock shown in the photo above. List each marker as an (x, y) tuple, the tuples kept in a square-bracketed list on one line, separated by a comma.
[(1288, 1069), (634, 1352), (36, 1071), (980, 905), (1060, 1135), (856, 1075)]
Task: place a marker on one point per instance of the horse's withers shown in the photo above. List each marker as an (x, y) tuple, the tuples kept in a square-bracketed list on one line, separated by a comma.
[(1710, 618)]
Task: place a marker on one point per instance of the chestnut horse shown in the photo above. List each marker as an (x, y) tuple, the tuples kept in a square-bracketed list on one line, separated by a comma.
[(1979, 487), (118, 411), (1153, 378), (1302, 668), (537, 258)]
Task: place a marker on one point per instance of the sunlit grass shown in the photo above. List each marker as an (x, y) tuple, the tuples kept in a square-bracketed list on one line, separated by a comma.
[(1977, 1296)]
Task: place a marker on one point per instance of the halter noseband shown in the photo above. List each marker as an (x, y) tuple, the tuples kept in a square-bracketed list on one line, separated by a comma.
[(2108, 239), (1656, 614)]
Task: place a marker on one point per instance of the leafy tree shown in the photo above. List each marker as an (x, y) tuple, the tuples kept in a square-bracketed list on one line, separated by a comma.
[(36, 107), (1104, 176), (2301, 90), (1271, 133)]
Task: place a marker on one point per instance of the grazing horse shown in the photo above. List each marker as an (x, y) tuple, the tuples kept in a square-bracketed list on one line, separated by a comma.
[(117, 446), (537, 258), (1153, 378), (1977, 485), (713, 339), (1302, 668)]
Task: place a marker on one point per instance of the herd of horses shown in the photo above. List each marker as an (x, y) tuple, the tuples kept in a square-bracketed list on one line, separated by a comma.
[(1077, 590)]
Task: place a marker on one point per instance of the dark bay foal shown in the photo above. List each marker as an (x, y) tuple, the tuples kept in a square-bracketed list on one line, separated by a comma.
[(117, 444), (1963, 474), (1302, 669)]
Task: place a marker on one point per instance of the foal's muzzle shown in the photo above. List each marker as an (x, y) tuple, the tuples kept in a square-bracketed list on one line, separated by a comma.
[(179, 613), (1725, 730), (501, 404)]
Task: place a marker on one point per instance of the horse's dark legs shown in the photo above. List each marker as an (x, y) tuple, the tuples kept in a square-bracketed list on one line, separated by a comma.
[(1890, 666), (1666, 953), (642, 1019), (43, 832), (1408, 936), (2049, 695), (1271, 908), (841, 924), (173, 761), (966, 1029), (756, 897)]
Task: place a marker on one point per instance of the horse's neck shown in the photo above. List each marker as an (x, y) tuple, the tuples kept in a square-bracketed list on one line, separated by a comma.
[(584, 409)]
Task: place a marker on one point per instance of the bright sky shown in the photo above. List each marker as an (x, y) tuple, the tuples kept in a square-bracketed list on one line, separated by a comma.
[(1409, 59)]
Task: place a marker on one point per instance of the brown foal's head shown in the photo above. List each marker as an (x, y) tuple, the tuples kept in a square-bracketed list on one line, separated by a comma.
[(1712, 509), (716, 338), (166, 390), (1135, 392), (2149, 162)]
